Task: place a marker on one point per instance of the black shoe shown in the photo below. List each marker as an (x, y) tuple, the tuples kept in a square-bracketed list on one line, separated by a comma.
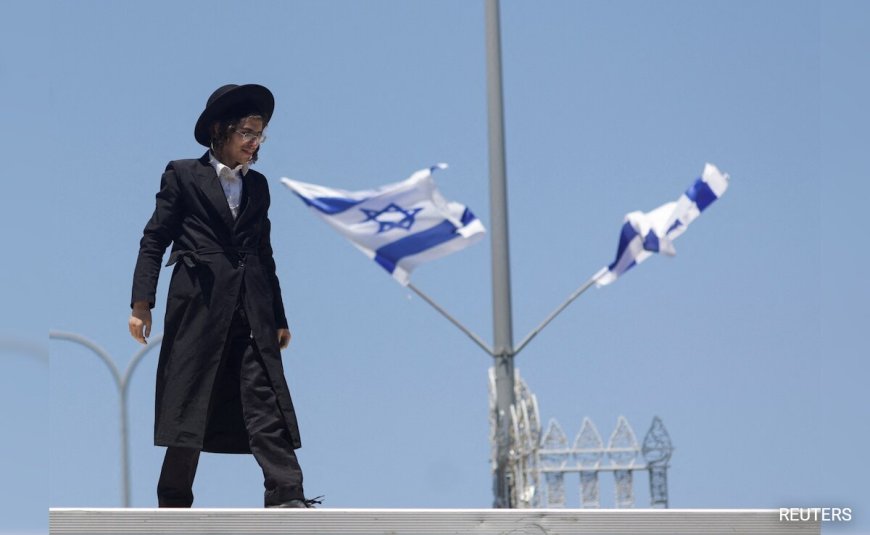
[(297, 504)]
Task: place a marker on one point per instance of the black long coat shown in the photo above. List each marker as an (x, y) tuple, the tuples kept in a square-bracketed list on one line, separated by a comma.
[(215, 258)]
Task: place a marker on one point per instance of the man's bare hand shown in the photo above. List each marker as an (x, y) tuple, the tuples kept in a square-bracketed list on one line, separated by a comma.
[(284, 338), (140, 322)]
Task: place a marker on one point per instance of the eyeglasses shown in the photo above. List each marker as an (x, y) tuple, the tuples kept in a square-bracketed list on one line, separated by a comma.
[(248, 136)]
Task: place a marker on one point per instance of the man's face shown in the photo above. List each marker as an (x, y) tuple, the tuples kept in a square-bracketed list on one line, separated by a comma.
[(237, 151)]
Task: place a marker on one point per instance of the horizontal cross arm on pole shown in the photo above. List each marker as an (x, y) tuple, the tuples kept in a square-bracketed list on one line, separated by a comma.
[(477, 340), (98, 351), (586, 285), (137, 358)]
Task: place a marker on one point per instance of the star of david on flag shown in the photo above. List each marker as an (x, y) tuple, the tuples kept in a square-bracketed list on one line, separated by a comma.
[(400, 225), (654, 232)]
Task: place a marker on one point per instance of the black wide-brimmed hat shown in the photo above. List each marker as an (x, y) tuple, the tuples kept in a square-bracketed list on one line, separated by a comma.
[(231, 96)]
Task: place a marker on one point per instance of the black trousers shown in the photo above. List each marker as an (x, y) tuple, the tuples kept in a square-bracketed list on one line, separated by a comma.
[(267, 433)]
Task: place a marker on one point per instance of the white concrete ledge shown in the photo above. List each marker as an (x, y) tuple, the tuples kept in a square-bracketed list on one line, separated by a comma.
[(425, 521)]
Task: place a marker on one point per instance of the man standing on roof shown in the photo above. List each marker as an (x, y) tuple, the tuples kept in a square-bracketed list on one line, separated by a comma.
[(220, 379)]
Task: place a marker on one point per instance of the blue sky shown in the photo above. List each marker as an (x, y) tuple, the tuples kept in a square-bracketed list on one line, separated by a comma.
[(746, 343)]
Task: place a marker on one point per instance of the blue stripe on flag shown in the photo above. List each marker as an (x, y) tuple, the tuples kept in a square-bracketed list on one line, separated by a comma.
[(628, 233), (651, 242), (392, 253), (679, 214), (467, 217), (701, 194), (329, 205)]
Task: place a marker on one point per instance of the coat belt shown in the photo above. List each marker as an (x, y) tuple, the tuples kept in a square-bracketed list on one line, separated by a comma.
[(196, 256)]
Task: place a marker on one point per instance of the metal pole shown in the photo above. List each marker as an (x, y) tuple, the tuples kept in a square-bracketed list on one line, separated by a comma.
[(122, 383), (125, 389), (586, 285), (501, 288), (477, 340), (116, 375)]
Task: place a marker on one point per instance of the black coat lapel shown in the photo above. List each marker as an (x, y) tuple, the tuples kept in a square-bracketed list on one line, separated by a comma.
[(210, 184), (253, 198)]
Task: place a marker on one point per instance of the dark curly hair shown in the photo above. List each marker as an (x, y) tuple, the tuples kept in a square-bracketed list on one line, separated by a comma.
[(223, 128)]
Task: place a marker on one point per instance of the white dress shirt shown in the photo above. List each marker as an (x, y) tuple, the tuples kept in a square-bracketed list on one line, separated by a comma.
[(231, 181)]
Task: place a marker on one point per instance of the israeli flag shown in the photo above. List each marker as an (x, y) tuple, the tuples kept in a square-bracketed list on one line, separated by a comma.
[(654, 232), (399, 226)]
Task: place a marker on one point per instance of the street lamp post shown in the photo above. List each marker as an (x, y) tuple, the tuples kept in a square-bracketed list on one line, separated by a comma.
[(122, 383)]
